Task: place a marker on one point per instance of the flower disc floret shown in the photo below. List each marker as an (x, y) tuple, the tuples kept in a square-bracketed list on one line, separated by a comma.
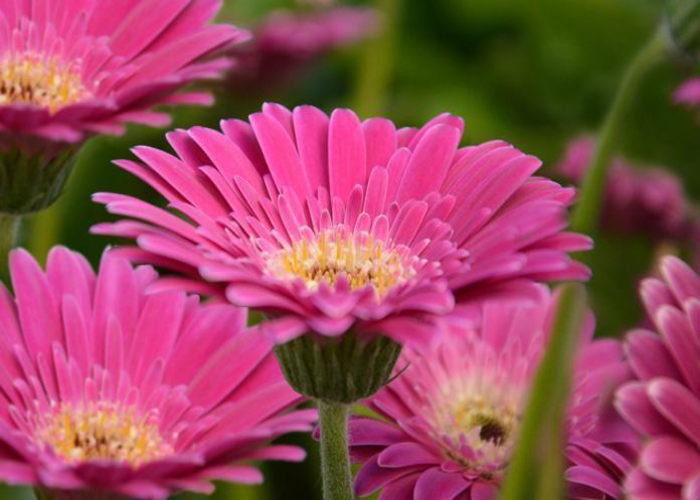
[(34, 80), (360, 259), (102, 431)]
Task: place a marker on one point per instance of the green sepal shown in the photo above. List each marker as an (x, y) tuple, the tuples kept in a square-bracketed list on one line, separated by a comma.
[(31, 181), (338, 370)]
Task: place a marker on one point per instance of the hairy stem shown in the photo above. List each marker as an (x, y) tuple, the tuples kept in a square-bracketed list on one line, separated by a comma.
[(335, 461)]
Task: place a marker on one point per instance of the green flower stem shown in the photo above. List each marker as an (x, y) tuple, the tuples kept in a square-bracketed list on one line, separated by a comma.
[(9, 230), (536, 466), (335, 460), (376, 66), (586, 215)]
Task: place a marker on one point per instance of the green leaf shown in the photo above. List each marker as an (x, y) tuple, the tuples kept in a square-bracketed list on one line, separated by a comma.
[(540, 444)]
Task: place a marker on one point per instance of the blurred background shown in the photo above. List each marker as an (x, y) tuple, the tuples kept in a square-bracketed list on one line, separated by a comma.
[(536, 74)]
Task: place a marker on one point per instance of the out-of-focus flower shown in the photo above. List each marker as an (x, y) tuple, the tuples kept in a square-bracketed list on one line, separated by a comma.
[(448, 423), (648, 201), (71, 69), (287, 41), (683, 33), (664, 404), (334, 224), (688, 93), (107, 390)]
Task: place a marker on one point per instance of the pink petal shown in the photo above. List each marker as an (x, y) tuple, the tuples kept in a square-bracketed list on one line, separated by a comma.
[(680, 406), (401, 489), (380, 140), (435, 483), (429, 163), (634, 405), (280, 153), (648, 356), (311, 126), (369, 431), (593, 478), (691, 490), (346, 153), (638, 485), (405, 455), (372, 477), (677, 332), (683, 281), (670, 460)]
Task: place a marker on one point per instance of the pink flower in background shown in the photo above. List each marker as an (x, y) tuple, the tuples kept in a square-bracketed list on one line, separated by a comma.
[(688, 93), (69, 69), (664, 404), (649, 201), (108, 390), (333, 223), (450, 421), (287, 41)]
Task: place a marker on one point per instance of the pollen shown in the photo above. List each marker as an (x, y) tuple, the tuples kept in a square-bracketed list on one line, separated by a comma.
[(360, 258), (486, 425), (45, 82), (494, 426), (103, 431)]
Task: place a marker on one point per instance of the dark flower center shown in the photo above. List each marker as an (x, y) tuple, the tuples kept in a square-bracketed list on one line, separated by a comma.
[(492, 430)]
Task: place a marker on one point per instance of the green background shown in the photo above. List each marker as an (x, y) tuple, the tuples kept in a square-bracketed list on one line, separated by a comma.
[(535, 73)]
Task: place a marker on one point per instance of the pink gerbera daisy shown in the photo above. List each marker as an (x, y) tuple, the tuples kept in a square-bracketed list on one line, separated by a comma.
[(334, 224), (649, 201), (105, 390), (448, 423), (68, 69), (71, 69), (664, 404)]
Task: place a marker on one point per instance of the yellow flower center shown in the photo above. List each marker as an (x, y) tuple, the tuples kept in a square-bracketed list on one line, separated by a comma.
[(32, 79), (360, 258), (103, 431)]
